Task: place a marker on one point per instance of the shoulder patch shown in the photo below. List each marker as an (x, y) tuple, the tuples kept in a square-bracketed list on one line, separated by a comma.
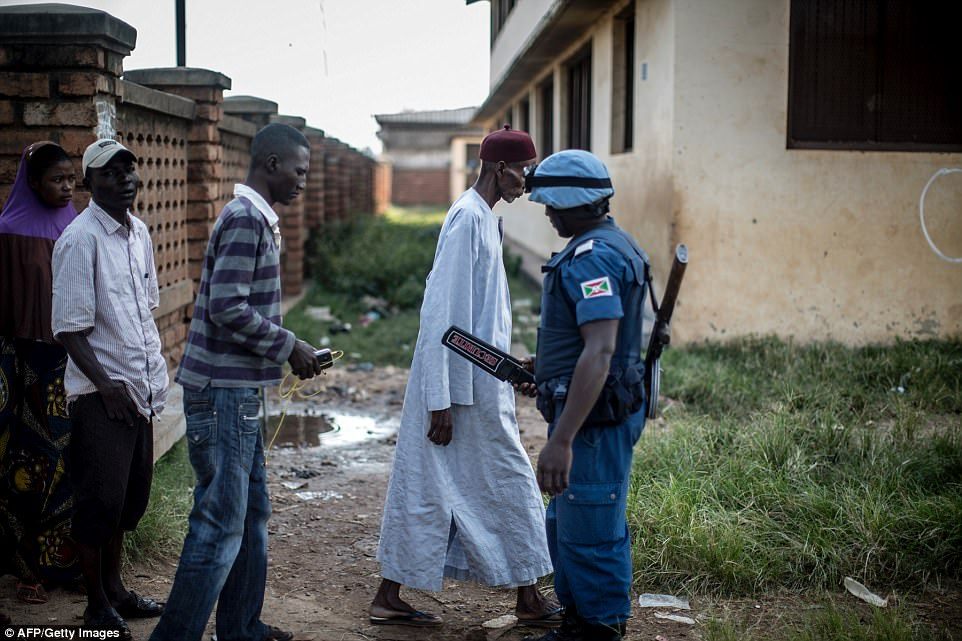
[(585, 247), (596, 287)]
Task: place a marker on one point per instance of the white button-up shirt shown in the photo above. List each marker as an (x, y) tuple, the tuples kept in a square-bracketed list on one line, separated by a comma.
[(105, 281)]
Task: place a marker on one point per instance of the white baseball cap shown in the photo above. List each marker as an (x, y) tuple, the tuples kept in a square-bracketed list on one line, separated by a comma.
[(100, 152)]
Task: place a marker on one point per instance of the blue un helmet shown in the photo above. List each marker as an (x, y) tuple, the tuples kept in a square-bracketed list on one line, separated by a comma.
[(570, 178)]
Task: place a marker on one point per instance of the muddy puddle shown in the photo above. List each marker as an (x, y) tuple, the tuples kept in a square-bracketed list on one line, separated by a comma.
[(307, 426)]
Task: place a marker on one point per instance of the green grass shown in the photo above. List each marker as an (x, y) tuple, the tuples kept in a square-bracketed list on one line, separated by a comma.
[(739, 378), (791, 467), (781, 467), (386, 257), (161, 531), (384, 342), (834, 623)]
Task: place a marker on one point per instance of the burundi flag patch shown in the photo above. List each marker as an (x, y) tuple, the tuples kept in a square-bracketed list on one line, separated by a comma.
[(595, 288)]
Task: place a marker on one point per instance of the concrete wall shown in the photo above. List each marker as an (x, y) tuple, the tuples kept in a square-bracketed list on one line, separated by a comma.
[(523, 22), (813, 244), (460, 173), (643, 201)]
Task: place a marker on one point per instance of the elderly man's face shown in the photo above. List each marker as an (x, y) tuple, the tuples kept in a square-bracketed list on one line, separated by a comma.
[(511, 179)]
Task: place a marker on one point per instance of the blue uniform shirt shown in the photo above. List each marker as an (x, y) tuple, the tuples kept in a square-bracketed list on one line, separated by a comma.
[(600, 275)]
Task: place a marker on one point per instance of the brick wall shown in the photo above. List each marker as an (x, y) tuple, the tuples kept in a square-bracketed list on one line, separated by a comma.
[(60, 71), (235, 136), (155, 128), (314, 198), (420, 187), (55, 89)]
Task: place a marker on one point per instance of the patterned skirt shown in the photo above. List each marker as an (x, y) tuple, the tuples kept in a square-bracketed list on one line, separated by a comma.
[(36, 501)]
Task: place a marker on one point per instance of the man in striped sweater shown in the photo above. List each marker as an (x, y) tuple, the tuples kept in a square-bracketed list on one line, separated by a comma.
[(235, 346)]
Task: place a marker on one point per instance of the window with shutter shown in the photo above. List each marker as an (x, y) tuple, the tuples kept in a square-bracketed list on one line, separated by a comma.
[(546, 124), (875, 75), (579, 100)]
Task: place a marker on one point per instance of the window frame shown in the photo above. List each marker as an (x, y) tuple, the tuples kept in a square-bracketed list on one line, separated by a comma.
[(880, 55), (546, 116), (578, 73)]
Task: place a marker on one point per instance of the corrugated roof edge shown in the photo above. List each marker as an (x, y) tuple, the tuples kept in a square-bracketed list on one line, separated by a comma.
[(459, 116)]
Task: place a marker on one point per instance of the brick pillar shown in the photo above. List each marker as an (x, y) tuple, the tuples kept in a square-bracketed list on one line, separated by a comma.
[(332, 180), (204, 152), (293, 229), (314, 200), (369, 206), (382, 186), (261, 112), (59, 69), (251, 108), (344, 177)]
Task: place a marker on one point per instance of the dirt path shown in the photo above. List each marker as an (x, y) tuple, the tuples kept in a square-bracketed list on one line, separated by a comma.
[(327, 507)]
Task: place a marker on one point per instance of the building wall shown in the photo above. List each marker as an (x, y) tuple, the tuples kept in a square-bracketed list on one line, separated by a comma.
[(461, 174), (420, 186), (644, 194), (423, 160), (523, 22), (811, 244)]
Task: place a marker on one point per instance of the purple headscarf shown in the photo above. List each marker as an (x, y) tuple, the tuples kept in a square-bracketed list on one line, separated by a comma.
[(25, 214), (28, 231)]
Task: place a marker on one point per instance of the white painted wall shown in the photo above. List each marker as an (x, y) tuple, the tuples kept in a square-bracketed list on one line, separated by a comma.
[(811, 244), (642, 177), (523, 22), (814, 244), (459, 169)]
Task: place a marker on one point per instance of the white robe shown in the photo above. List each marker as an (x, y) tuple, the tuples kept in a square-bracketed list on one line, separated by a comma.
[(471, 510)]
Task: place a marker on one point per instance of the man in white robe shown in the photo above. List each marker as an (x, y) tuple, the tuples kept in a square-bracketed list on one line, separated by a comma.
[(463, 501)]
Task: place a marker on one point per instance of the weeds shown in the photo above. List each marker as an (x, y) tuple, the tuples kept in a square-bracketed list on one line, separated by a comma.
[(834, 623), (791, 467), (161, 531), (385, 257)]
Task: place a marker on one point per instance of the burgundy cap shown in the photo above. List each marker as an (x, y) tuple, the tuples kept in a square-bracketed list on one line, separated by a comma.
[(509, 145)]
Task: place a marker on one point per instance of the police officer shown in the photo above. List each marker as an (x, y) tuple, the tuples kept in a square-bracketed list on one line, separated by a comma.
[(589, 370)]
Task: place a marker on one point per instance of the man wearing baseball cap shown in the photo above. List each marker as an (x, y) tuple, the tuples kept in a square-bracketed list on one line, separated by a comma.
[(104, 288), (462, 502)]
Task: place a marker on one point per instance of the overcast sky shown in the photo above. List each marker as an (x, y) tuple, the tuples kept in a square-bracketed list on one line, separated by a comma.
[(334, 62)]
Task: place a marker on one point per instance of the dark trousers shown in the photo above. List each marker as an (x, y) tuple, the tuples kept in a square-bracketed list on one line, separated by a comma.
[(587, 531), (111, 468)]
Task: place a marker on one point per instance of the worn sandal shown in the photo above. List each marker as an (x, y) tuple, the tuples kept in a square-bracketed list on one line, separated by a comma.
[(549, 619), (416, 619)]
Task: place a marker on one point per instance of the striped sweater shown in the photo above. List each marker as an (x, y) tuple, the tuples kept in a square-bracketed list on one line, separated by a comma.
[(236, 338)]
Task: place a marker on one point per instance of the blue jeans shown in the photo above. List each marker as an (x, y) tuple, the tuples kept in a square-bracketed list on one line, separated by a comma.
[(586, 525), (225, 553)]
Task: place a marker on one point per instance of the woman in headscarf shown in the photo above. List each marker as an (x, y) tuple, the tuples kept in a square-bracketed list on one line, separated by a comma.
[(35, 496)]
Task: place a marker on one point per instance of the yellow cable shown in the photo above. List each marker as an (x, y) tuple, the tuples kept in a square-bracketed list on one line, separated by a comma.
[(295, 389)]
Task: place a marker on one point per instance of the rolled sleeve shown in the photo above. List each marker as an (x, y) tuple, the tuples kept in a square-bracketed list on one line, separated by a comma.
[(153, 287), (74, 293)]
